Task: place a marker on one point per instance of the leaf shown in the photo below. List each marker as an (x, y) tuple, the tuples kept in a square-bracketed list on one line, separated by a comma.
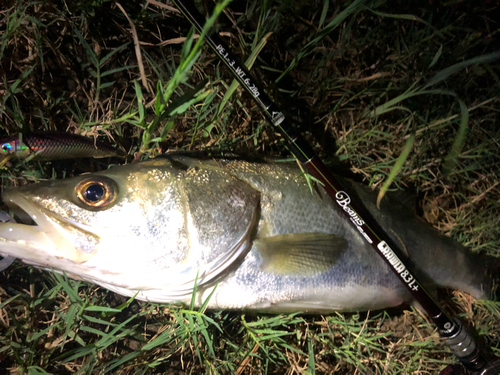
[(409, 17), (72, 293), (397, 165), (90, 52), (339, 18), (324, 12), (445, 73), (451, 159), (436, 56), (248, 63), (140, 98), (117, 49)]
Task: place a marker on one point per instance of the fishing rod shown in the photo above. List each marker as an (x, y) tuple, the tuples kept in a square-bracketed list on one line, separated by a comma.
[(450, 330)]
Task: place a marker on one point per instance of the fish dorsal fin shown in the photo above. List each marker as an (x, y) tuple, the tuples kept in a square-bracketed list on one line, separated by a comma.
[(300, 254)]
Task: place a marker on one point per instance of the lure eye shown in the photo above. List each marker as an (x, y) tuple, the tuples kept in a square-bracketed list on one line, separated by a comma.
[(7, 147), (96, 193)]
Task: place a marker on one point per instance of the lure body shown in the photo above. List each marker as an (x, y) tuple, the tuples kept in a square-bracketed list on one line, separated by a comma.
[(54, 145)]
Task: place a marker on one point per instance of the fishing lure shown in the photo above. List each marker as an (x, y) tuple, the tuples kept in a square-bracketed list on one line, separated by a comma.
[(54, 145)]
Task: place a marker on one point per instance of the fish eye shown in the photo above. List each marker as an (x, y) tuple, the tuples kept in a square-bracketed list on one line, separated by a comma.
[(96, 193)]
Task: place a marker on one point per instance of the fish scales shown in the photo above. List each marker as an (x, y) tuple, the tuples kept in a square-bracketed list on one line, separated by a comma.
[(359, 280), (254, 234)]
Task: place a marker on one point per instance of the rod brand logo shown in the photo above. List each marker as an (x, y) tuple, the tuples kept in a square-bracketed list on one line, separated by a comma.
[(343, 200), (398, 265)]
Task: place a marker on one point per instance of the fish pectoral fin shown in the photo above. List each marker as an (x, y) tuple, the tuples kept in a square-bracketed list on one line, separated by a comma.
[(300, 254)]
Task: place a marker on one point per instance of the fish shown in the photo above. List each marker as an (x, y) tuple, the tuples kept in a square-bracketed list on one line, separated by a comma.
[(51, 145), (6, 261), (239, 234)]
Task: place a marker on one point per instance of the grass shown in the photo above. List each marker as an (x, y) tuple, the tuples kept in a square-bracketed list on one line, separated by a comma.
[(391, 94)]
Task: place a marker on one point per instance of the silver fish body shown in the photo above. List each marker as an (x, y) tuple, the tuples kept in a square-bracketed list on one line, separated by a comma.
[(251, 235)]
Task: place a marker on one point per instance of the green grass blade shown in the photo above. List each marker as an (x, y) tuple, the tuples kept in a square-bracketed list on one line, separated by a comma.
[(78, 353), (332, 25), (324, 12), (110, 366), (109, 55), (445, 73), (248, 63), (452, 158), (398, 164), (436, 56), (167, 336), (390, 105), (92, 319), (9, 300), (72, 292), (101, 309), (92, 55), (117, 70), (193, 295), (311, 365), (409, 17), (69, 322), (140, 101), (116, 334)]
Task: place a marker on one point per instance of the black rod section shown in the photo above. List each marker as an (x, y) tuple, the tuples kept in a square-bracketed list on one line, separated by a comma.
[(450, 330)]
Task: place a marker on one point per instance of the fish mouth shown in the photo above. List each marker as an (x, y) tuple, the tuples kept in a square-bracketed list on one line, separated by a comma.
[(45, 244), (52, 243)]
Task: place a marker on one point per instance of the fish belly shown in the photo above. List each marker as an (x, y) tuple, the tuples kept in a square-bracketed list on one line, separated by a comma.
[(350, 285)]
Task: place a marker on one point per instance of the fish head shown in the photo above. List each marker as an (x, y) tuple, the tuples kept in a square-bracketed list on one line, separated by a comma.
[(145, 226), (96, 226)]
